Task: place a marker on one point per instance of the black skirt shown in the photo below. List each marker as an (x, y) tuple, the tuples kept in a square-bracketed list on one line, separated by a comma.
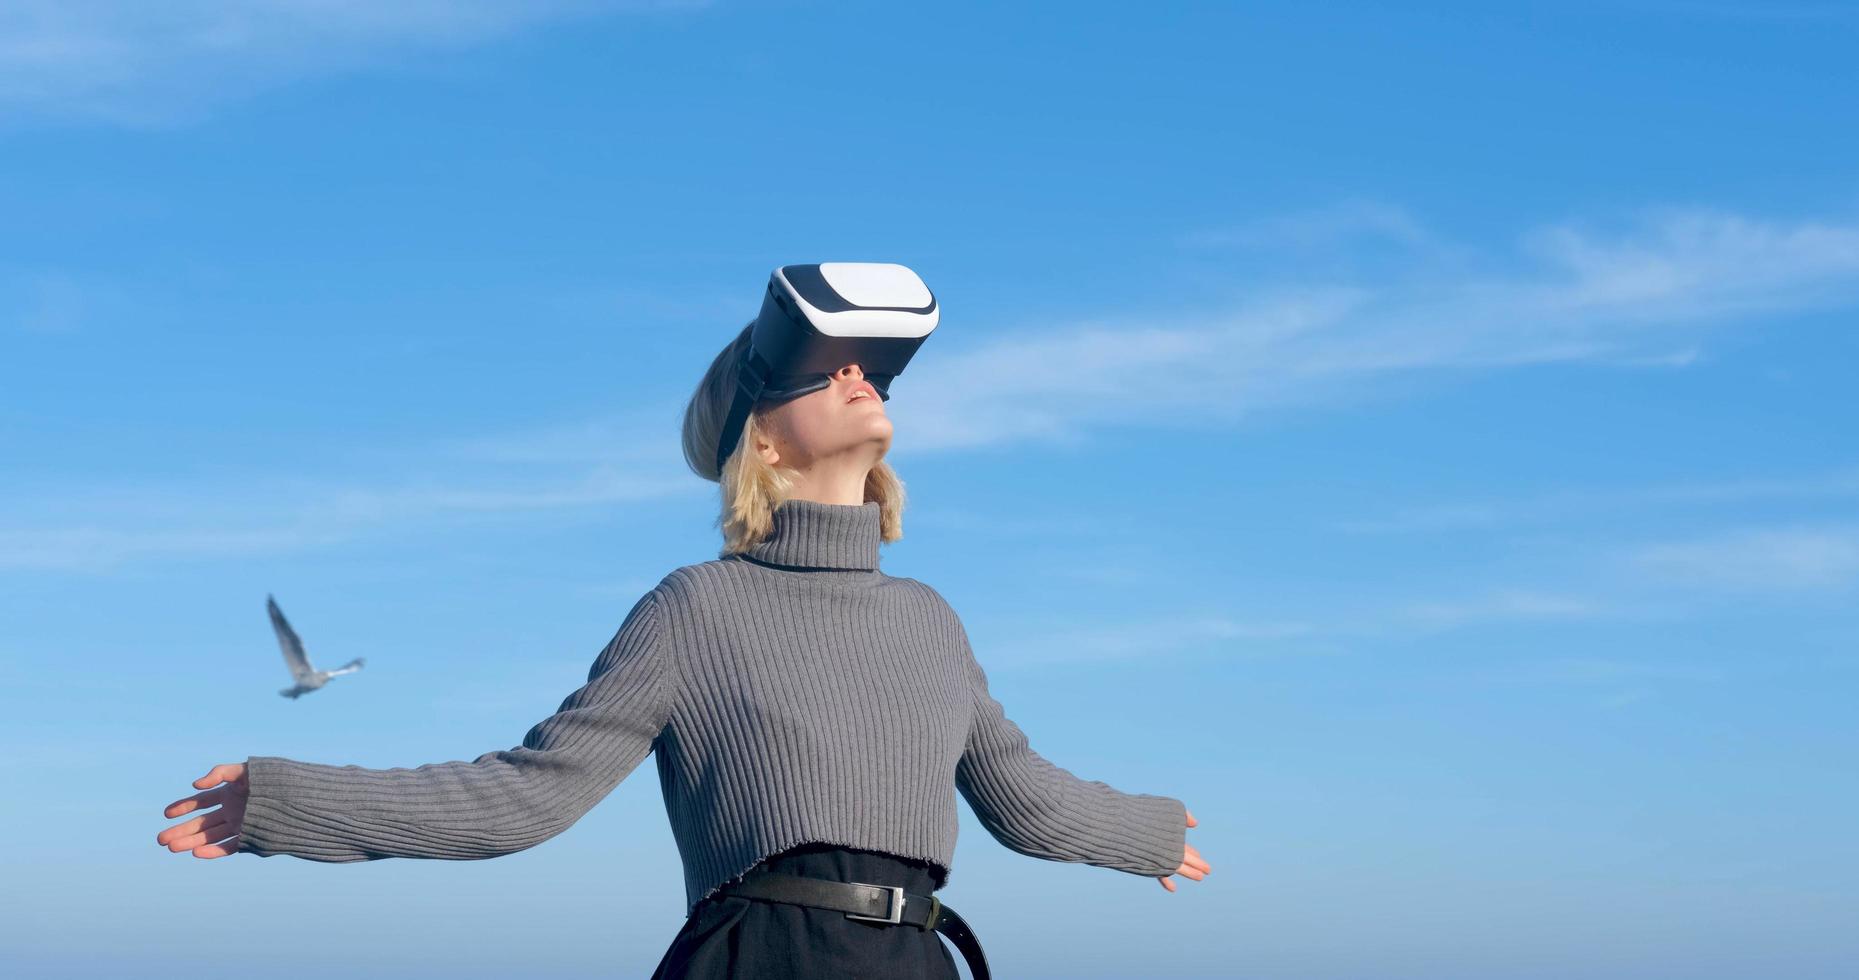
[(747, 939)]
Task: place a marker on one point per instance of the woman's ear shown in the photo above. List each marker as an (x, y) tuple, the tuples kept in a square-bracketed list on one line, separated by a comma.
[(764, 448)]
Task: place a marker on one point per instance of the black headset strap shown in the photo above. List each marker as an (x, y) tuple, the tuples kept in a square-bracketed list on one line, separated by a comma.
[(752, 385), (751, 378)]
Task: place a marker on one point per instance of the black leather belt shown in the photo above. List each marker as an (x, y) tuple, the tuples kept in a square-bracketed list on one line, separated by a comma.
[(889, 904)]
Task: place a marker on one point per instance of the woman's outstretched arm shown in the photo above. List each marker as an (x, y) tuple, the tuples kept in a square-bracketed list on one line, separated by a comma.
[(1041, 810), (502, 802)]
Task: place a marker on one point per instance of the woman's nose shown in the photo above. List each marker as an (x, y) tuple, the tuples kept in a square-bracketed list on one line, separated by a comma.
[(855, 370)]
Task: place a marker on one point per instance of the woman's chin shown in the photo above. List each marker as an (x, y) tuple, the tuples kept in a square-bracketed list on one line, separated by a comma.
[(879, 438)]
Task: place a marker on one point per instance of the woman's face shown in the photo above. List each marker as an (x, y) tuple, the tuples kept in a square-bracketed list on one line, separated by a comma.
[(843, 420)]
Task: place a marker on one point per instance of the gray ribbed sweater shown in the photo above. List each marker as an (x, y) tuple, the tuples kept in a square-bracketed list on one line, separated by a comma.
[(792, 693)]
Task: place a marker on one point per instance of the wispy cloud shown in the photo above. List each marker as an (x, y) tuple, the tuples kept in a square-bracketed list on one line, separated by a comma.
[(146, 63), (1606, 670), (616, 438), (1581, 501), (1500, 604), (99, 527), (310, 519), (1608, 683), (1830, 13), (536, 690), (630, 587), (1591, 299), (1138, 638), (1644, 297), (1228, 633), (1759, 559), (1324, 227), (53, 302)]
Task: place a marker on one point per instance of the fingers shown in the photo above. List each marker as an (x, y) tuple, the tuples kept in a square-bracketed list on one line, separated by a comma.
[(219, 774), (212, 827), (214, 778), (214, 834), (1190, 857), (218, 848), (1192, 866), (180, 830), (228, 846), (198, 801)]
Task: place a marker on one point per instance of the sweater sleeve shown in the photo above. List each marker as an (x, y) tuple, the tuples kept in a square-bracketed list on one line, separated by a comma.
[(1038, 809), (502, 802)]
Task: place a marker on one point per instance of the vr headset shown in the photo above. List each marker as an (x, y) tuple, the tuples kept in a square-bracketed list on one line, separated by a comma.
[(816, 319)]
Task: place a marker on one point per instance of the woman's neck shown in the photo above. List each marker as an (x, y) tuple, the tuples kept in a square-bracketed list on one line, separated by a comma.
[(827, 482)]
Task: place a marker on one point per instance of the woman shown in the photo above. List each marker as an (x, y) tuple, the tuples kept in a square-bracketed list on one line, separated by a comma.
[(807, 712)]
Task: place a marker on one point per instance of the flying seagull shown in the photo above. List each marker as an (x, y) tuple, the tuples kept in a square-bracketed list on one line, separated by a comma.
[(308, 678)]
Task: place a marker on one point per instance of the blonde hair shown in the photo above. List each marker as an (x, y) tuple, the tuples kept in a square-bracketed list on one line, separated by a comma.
[(751, 488)]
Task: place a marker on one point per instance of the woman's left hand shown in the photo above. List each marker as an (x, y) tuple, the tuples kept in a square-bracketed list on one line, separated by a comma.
[(1192, 864)]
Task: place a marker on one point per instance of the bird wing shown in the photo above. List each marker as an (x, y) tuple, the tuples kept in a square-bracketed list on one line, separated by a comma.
[(287, 640)]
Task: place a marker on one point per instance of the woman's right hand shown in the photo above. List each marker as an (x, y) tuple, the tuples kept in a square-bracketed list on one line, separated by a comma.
[(222, 825), (1192, 864)]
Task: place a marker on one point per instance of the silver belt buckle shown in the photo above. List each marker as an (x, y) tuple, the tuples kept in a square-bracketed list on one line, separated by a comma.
[(897, 905)]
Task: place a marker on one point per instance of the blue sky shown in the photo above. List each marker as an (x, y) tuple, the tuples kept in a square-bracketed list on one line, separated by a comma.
[(1420, 437)]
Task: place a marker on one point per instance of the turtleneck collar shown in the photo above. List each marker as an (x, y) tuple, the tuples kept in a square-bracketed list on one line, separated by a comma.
[(810, 534)]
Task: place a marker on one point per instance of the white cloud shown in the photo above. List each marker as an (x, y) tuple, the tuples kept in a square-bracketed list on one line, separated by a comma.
[(55, 302), (1609, 683), (1501, 604), (1644, 298), (1593, 300), (1699, 263), (42, 304), (1606, 670), (1835, 13), (1451, 515), (101, 527), (1759, 559), (140, 62), (1135, 639), (312, 520), (93, 548), (1322, 227), (615, 438), (1032, 643)]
